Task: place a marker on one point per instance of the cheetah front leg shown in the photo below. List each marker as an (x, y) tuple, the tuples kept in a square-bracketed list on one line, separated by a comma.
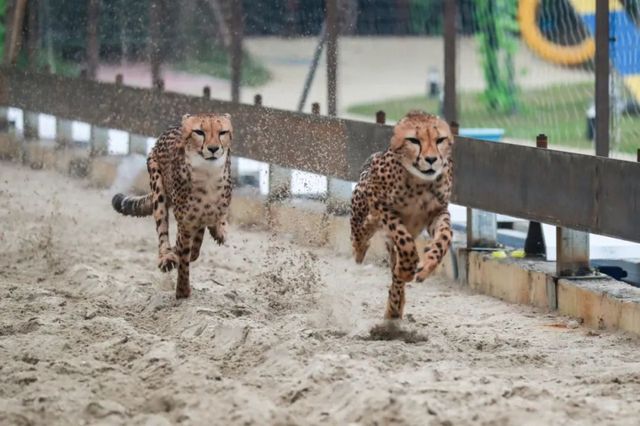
[(404, 260), (219, 231), (167, 259), (440, 231), (363, 225), (183, 248)]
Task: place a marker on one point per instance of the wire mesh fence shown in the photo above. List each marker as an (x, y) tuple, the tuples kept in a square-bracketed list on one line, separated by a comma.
[(524, 66)]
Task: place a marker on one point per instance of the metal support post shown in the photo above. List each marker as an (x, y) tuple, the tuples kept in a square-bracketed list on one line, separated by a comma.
[(333, 28), (31, 125), (137, 144), (64, 131), (572, 252), (279, 177), (482, 226), (4, 119), (99, 141), (534, 245), (602, 78)]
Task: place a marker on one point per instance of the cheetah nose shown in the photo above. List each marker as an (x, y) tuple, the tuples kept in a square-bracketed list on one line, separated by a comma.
[(213, 149), (431, 160)]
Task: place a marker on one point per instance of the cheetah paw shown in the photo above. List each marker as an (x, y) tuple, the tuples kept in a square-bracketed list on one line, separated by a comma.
[(167, 261), (359, 253), (425, 269), (219, 234)]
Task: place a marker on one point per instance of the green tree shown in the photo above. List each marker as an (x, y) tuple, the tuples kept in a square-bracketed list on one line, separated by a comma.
[(497, 27)]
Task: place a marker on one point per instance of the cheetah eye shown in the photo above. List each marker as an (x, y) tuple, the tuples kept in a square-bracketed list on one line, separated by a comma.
[(198, 132), (224, 132), (413, 140), (440, 140)]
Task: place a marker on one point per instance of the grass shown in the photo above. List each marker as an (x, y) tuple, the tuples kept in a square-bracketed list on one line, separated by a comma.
[(557, 111), (60, 66), (217, 64)]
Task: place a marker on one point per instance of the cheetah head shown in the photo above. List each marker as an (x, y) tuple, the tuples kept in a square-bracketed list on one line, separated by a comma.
[(207, 135), (423, 142)]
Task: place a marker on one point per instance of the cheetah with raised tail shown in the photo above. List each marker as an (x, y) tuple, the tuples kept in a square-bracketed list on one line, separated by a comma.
[(189, 169), (404, 190)]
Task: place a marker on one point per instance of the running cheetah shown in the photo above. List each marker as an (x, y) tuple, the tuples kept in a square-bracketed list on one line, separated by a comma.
[(189, 168), (404, 190)]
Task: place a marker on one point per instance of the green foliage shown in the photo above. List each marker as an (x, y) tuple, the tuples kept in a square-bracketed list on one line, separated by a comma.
[(497, 44), (3, 12), (217, 64), (557, 111), (422, 14)]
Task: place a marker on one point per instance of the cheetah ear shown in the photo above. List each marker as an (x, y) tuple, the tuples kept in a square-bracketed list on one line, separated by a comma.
[(227, 115), (185, 117)]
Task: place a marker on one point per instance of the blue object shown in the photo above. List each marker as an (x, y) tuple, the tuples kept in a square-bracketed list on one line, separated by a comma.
[(486, 134)]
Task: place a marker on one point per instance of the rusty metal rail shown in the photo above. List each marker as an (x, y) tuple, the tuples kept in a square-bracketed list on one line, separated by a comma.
[(589, 193)]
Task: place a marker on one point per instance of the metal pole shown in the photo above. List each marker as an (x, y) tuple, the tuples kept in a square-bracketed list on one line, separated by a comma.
[(314, 65), (237, 30), (93, 43), (534, 245), (333, 27), (33, 34), (602, 78), (450, 109), (14, 37), (572, 251), (155, 56)]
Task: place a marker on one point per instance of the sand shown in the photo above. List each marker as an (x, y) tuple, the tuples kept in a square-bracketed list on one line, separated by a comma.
[(274, 333)]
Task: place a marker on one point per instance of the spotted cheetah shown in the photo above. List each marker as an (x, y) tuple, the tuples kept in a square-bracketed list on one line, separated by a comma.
[(404, 190), (189, 169)]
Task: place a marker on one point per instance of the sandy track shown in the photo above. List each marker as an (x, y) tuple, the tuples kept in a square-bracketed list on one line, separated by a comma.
[(274, 333)]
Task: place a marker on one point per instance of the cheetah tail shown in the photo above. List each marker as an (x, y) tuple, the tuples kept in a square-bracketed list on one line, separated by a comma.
[(132, 205)]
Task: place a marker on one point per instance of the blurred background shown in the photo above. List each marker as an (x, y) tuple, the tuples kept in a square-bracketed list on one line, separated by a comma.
[(523, 67)]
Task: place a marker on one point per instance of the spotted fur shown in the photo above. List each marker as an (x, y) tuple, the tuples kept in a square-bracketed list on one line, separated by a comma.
[(189, 170), (403, 191)]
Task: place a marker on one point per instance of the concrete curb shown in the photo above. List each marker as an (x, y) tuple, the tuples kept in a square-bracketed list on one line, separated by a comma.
[(600, 302)]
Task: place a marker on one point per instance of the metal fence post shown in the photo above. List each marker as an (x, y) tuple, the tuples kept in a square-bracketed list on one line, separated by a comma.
[(572, 252), (31, 125), (64, 131), (602, 78), (137, 144), (572, 258), (534, 245), (99, 140), (4, 119), (482, 226), (279, 177)]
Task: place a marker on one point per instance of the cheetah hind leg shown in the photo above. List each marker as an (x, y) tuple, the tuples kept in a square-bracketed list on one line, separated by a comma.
[(167, 260)]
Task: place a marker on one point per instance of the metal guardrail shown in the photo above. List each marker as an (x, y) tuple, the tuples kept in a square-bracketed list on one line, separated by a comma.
[(576, 191)]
